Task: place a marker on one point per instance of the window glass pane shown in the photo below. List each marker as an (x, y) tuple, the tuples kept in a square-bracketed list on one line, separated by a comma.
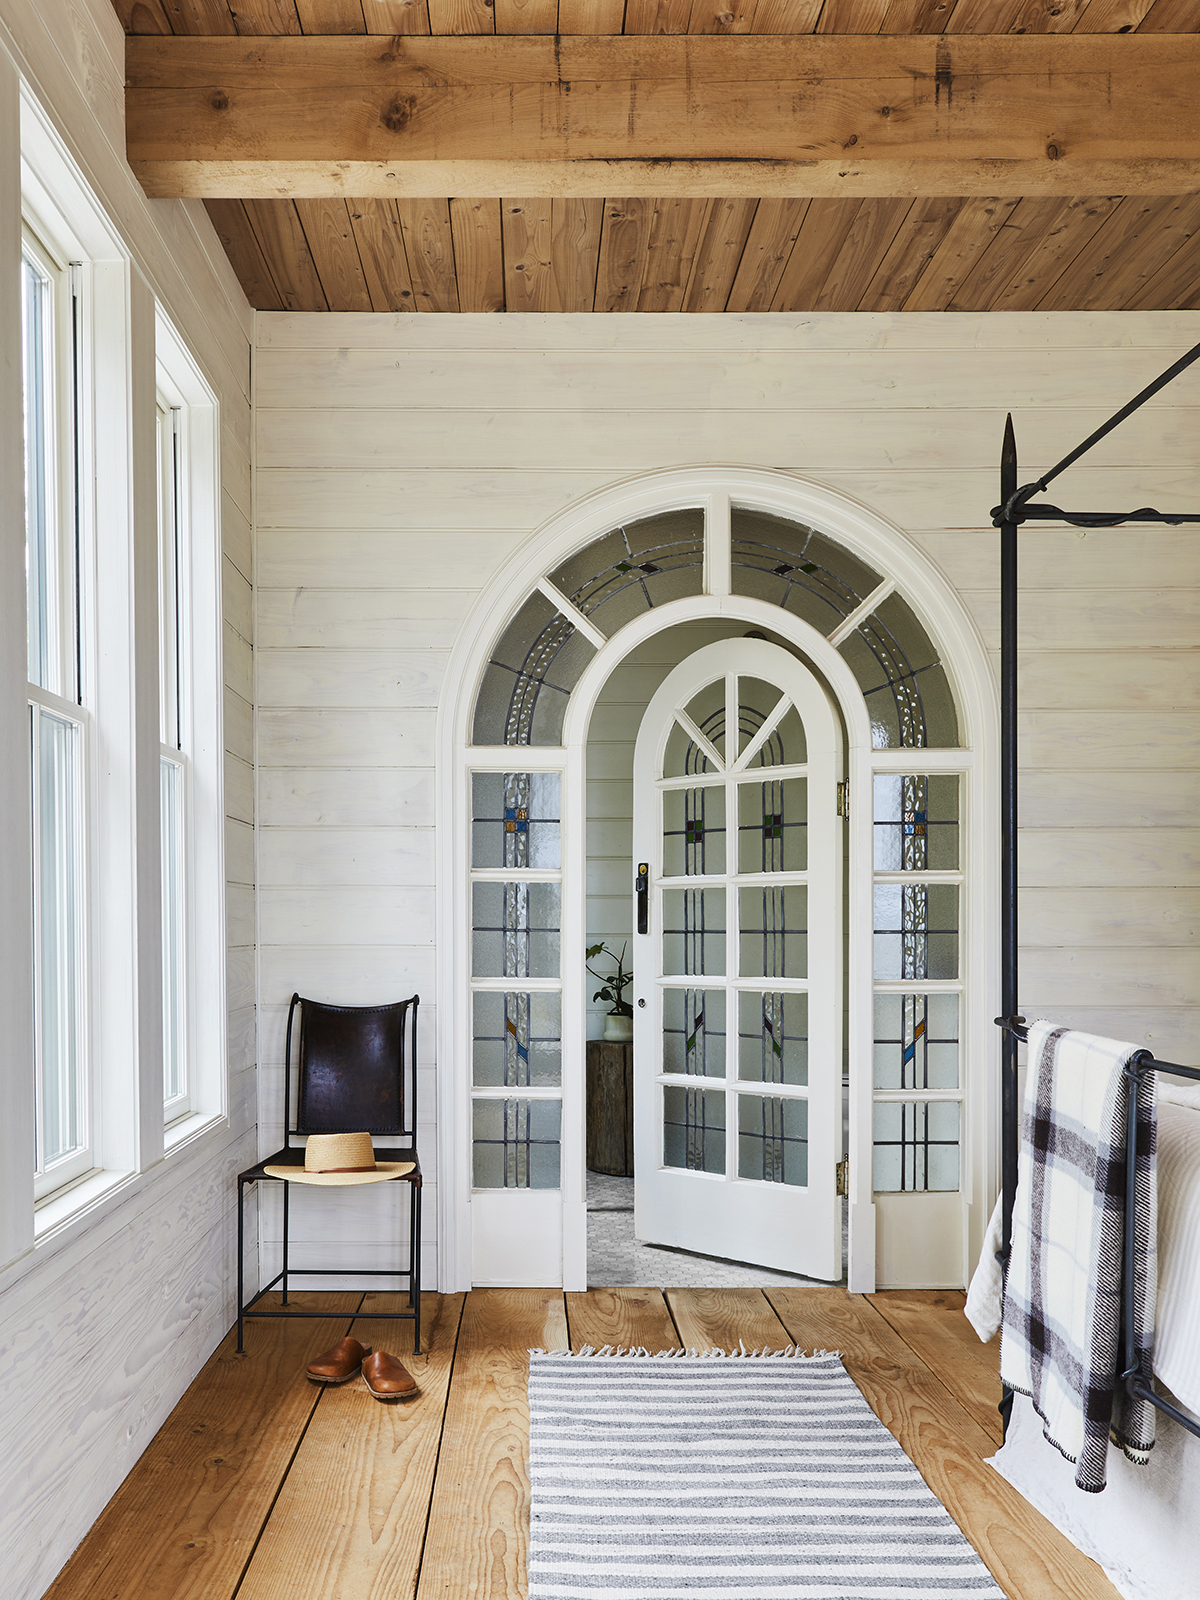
[(694, 1129), (518, 1040), (906, 689), (516, 1144), (916, 1041), (169, 531), (773, 1139), (515, 819), (644, 564), (916, 930), (526, 686), (693, 831), (916, 1146), (792, 566), (694, 1032), (171, 825), (693, 931), (773, 1037), (774, 931), (916, 823), (38, 368), (59, 934), (515, 930), (773, 825)]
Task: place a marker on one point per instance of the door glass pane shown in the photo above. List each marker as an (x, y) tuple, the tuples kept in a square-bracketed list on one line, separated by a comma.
[(171, 828), (773, 825), (916, 822), (756, 701), (693, 931), (517, 1039), (694, 1032), (774, 931), (515, 819), (707, 711), (916, 1041), (773, 1037), (773, 1139), (694, 1129), (693, 831), (515, 932), (643, 564), (785, 746), (516, 1144), (916, 930), (916, 1146), (59, 965)]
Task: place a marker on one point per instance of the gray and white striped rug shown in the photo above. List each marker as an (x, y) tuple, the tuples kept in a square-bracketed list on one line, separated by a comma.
[(758, 1477)]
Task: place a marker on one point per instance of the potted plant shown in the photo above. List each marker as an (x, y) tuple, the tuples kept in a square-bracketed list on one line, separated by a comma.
[(618, 1025)]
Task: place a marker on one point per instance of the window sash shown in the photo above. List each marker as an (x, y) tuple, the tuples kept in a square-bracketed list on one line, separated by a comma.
[(173, 824), (170, 574)]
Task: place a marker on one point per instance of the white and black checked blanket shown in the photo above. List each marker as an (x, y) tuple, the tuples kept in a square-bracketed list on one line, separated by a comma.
[(1060, 1336)]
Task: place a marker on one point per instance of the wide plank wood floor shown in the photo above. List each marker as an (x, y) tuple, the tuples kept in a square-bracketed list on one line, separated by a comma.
[(262, 1486)]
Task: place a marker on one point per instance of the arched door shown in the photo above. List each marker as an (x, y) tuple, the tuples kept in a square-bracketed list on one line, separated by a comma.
[(738, 976)]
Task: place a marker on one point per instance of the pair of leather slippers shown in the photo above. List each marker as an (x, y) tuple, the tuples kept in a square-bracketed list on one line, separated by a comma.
[(385, 1377)]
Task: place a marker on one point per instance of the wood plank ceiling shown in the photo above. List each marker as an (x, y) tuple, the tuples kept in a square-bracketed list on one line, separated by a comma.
[(1007, 253)]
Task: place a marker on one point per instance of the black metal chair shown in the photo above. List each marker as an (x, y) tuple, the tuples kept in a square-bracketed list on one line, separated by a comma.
[(352, 1066)]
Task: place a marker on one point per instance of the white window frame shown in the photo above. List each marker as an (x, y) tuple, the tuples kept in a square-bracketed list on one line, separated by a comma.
[(185, 395)]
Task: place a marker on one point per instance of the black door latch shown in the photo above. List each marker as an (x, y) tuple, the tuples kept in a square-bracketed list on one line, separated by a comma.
[(641, 887)]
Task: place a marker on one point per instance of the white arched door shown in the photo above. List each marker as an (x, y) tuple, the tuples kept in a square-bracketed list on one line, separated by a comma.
[(738, 975)]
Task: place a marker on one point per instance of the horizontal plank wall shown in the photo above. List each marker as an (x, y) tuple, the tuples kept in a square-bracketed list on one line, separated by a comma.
[(105, 1322), (401, 460)]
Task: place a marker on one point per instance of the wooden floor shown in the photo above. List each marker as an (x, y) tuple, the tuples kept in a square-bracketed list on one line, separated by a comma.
[(264, 1487)]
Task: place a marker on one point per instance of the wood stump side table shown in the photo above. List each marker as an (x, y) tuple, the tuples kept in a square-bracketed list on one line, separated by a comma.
[(610, 1108)]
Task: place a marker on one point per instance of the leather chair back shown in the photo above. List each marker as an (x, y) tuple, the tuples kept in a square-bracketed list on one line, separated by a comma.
[(350, 1063)]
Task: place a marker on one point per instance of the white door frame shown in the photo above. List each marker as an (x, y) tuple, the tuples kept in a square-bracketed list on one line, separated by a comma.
[(558, 1219)]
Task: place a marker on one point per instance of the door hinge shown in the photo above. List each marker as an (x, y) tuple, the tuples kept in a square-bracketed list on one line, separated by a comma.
[(843, 799), (843, 1176)]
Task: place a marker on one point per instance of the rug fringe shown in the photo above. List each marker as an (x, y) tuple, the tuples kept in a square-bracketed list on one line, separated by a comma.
[(638, 1352)]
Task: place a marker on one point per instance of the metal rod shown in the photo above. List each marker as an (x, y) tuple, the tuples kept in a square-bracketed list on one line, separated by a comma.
[(1008, 834), (1133, 1079), (1020, 1029)]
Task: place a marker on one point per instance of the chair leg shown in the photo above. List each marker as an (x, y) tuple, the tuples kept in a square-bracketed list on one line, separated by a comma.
[(412, 1238), (241, 1292), (286, 1196), (414, 1262)]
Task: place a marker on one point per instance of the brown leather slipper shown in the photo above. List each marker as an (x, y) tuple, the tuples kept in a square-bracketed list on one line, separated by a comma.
[(388, 1379), (340, 1364)]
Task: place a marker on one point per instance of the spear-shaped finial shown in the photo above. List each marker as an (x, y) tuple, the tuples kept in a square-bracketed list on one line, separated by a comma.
[(1008, 463)]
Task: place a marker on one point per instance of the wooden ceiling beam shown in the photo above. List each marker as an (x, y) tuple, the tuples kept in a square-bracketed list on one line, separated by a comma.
[(682, 116)]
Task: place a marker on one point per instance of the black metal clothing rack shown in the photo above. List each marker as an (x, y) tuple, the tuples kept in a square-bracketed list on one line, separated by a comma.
[(1016, 507)]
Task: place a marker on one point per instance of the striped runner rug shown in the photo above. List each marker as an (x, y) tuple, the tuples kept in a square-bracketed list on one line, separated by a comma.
[(754, 1477)]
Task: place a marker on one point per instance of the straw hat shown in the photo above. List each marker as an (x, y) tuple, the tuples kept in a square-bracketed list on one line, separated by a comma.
[(337, 1160)]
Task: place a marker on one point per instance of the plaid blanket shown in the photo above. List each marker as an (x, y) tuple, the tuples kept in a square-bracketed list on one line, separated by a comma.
[(1060, 1336)]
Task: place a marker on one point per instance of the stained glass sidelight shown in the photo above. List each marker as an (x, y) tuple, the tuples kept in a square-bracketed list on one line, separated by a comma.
[(515, 930), (916, 1145), (516, 1144), (517, 1039), (694, 1032), (515, 819), (916, 930), (916, 822), (916, 1041), (694, 1129)]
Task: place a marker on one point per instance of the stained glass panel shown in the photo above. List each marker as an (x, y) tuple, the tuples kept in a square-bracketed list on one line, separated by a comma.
[(773, 1037), (904, 684), (773, 937), (693, 831), (773, 1139), (756, 702), (791, 565), (916, 822), (515, 930), (515, 819), (694, 1032), (693, 931), (916, 930), (773, 825), (694, 1129), (638, 566), (516, 1144), (528, 681), (916, 1041), (916, 1146), (518, 1039)]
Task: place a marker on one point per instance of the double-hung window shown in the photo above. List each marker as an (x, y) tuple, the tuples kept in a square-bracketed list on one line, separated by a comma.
[(59, 719), (172, 766)]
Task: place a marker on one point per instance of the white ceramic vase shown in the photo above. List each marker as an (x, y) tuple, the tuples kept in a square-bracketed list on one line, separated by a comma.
[(618, 1030)]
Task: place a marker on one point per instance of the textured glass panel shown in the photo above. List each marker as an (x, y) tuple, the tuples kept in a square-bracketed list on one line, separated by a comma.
[(693, 831), (693, 931), (916, 1146), (916, 822), (774, 931), (518, 1040), (644, 564), (516, 1144), (694, 1129), (773, 1139), (37, 353), (707, 711), (916, 1041), (171, 832), (515, 819), (773, 1037), (515, 930), (773, 825), (785, 745), (756, 701), (694, 1032), (792, 566), (905, 687), (526, 685), (59, 925), (916, 930)]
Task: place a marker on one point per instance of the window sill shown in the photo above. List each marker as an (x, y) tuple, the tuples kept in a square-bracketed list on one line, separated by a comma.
[(189, 1127), (64, 1206)]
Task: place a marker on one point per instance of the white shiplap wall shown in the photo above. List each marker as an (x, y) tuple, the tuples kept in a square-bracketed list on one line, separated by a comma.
[(104, 1323), (401, 460)]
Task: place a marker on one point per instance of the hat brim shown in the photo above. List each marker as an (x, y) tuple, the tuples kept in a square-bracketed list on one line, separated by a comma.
[(383, 1173)]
